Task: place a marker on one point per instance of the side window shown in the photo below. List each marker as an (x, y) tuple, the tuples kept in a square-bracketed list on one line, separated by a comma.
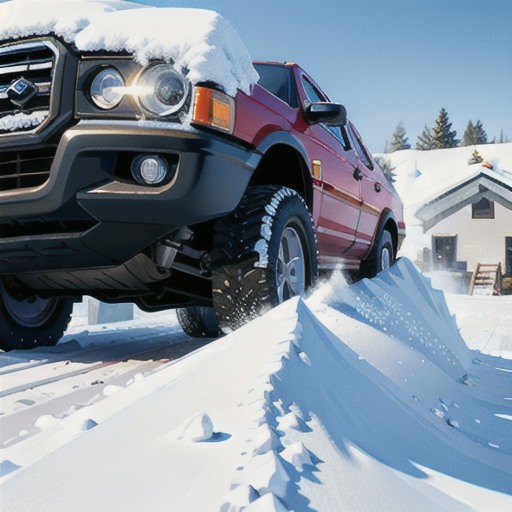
[(313, 95), (362, 152), (311, 91), (341, 134)]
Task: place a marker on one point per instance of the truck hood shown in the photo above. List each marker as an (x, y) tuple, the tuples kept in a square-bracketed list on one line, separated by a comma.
[(200, 43)]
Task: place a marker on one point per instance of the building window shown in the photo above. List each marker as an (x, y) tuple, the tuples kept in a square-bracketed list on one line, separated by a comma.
[(484, 209)]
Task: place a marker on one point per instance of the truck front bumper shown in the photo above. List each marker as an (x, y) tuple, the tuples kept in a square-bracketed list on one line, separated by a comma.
[(85, 217)]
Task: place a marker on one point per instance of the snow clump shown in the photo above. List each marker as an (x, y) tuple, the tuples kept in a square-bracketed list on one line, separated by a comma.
[(196, 428), (20, 120), (198, 42)]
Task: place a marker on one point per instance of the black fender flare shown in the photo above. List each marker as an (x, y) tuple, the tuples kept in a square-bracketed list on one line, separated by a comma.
[(281, 137), (385, 216)]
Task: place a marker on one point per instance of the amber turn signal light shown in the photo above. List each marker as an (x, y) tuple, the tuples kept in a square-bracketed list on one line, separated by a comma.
[(214, 109)]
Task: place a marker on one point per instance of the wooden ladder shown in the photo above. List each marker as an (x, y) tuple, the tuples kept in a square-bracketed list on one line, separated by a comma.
[(486, 279)]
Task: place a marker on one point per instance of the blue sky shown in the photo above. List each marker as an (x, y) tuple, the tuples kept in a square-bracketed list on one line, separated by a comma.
[(389, 61)]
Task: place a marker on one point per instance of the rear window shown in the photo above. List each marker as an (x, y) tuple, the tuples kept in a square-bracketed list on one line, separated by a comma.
[(279, 81)]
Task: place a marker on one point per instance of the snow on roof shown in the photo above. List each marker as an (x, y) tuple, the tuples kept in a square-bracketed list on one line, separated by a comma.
[(199, 41), (422, 176)]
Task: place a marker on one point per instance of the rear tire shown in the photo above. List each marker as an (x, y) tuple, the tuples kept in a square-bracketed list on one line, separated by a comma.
[(381, 257), (31, 323), (271, 255), (199, 322)]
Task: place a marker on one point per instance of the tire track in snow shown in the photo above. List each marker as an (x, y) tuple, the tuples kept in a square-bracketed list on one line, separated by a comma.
[(78, 384)]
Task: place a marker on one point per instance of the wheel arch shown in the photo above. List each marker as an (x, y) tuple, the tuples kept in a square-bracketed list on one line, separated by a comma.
[(391, 225), (387, 222), (284, 162)]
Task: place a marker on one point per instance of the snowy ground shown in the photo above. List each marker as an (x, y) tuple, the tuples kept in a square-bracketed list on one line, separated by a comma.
[(360, 398)]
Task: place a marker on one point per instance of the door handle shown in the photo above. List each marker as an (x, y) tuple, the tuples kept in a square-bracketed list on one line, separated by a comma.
[(358, 174), (377, 187)]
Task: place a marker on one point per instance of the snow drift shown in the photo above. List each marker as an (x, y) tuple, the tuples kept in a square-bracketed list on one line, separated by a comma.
[(199, 42), (359, 398)]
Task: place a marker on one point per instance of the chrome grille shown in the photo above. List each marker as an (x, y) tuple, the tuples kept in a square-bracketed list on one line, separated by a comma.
[(25, 169), (26, 76)]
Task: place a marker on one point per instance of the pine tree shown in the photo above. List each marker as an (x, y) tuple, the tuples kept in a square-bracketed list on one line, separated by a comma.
[(387, 170), (400, 141), (444, 137), (470, 137), (481, 136), (425, 140)]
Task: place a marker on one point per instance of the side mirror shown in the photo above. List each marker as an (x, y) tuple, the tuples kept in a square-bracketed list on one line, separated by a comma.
[(331, 114)]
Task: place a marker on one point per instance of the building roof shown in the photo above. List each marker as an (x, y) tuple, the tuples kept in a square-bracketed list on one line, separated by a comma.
[(435, 184), (471, 191)]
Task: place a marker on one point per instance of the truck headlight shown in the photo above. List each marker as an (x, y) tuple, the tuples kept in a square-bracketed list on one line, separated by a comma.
[(163, 91), (107, 88)]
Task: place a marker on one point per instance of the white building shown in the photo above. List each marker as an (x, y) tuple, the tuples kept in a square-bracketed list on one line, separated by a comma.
[(457, 213)]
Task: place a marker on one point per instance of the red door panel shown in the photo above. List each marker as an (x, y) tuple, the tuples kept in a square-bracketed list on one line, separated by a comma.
[(339, 211)]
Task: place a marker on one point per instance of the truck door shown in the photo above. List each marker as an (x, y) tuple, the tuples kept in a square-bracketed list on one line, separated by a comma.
[(333, 165), (372, 192)]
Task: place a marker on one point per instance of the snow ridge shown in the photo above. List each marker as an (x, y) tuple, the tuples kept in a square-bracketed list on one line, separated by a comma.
[(268, 479), (419, 317), (378, 389)]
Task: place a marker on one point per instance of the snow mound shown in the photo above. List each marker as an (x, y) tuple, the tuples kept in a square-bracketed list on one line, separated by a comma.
[(331, 403), (378, 386), (198, 42), (402, 304), (196, 428)]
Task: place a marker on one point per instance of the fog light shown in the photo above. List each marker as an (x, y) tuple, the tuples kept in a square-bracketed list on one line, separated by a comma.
[(149, 170)]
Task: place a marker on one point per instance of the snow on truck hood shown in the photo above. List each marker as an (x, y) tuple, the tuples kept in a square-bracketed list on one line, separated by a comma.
[(196, 40)]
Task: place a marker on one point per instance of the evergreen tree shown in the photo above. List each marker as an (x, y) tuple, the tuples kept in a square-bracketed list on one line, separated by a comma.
[(400, 141), (425, 140), (444, 137), (481, 136), (470, 136), (387, 170)]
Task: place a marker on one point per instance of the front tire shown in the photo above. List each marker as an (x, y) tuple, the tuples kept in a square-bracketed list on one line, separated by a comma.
[(31, 323), (271, 255)]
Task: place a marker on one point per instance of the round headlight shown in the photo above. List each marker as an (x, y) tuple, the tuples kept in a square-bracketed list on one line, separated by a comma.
[(107, 88), (163, 90)]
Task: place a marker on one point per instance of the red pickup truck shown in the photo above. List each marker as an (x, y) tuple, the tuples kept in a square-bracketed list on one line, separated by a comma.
[(226, 209)]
